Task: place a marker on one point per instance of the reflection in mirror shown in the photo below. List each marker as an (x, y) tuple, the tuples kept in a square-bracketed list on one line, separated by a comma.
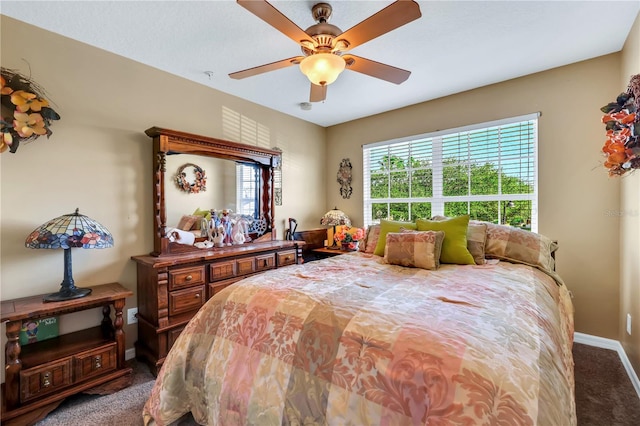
[(220, 193)]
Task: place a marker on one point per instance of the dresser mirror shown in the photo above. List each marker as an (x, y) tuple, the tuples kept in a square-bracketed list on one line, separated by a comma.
[(221, 162)]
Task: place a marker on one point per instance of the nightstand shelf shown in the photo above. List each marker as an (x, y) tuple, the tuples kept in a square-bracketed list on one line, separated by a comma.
[(325, 252), (39, 376)]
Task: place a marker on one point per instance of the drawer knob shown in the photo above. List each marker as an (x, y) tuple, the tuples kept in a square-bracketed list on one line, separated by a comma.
[(197, 295), (46, 380), (266, 262), (97, 362), (189, 278)]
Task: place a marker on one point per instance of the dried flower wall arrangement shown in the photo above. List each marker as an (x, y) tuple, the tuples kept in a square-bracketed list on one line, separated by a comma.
[(622, 118), (26, 114)]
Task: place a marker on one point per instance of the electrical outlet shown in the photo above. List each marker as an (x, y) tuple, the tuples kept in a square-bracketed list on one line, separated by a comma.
[(131, 316), (629, 324)]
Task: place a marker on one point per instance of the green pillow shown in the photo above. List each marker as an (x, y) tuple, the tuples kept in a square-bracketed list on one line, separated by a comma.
[(387, 226), (454, 246), (204, 213)]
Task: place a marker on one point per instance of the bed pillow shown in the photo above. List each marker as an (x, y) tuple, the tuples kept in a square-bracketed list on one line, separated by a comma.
[(186, 222), (520, 246), (476, 241), (454, 246), (414, 249), (201, 213), (476, 238), (371, 239), (387, 226)]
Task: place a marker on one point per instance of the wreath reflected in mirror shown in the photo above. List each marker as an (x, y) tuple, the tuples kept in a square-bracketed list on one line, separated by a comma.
[(199, 184)]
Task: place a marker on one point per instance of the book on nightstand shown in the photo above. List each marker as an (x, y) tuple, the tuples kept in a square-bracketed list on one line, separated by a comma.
[(38, 330)]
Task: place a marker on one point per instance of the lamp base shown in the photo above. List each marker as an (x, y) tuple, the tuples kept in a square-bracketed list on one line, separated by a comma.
[(67, 293)]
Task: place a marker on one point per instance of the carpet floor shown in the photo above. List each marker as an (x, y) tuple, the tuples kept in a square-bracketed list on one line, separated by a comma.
[(604, 397)]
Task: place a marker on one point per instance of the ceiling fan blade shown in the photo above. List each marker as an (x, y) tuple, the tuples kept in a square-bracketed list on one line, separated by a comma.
[(376, 69), (388, 19), (266, 68), (276, 19), (318, 93)]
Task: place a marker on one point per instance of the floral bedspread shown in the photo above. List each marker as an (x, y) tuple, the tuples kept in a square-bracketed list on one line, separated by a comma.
[(353, 341)]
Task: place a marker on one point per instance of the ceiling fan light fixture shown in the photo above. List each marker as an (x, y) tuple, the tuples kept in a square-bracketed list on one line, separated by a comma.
[(322, 68)]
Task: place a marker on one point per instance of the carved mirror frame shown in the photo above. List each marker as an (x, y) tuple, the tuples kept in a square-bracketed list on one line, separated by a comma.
[(166, 141)]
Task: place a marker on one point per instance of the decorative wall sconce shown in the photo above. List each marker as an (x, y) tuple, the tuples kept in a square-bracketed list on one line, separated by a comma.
[(344, 178), (277, 180)]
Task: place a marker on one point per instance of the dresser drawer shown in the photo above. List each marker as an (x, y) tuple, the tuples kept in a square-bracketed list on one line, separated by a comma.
[(222, 270), (186, 277), (245, 266), (265, 261), (44, 379), (286, 258), (95, 362), (188, 299), (215, 288)]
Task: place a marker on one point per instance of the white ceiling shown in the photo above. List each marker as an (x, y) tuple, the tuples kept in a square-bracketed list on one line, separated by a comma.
[(455, 45)]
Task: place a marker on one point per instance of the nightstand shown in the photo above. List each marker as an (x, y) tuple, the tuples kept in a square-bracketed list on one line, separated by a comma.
[(324, 252), (39, 376)]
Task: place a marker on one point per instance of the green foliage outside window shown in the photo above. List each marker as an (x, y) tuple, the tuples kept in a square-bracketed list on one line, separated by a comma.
[(394, 179)]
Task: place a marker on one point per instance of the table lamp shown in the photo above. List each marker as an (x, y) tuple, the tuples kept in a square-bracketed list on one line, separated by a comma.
[(334, 218), (65, 232)]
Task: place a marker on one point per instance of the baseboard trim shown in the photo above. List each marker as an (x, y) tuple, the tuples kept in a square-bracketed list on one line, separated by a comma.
[(130, 354), (614, 345)]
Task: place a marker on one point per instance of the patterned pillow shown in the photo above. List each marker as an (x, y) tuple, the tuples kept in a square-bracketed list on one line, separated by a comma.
[(389, 226), (519, 246), (186, 222), (416, 249), (476, 240), (370, 240)]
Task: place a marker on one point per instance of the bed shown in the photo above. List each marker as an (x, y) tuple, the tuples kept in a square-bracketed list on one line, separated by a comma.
[(356, 340)]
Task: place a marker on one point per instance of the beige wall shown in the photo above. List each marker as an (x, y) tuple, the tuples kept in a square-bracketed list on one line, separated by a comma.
[(630, 224), (99, 159), (576, 196)]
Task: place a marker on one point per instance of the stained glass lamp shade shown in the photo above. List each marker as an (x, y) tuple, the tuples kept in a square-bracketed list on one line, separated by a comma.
[(66, 232), (334, 218)]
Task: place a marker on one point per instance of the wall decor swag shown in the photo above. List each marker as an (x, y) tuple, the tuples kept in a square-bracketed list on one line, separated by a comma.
[(622, 120), (344, 178), (199, 184), (26, 114)]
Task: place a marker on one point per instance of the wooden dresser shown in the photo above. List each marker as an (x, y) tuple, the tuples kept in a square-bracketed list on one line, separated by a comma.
[(175, 280), (171, 289)]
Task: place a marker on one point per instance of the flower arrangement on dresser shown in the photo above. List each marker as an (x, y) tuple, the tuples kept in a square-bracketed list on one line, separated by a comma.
[(26, 114), (348, 237)]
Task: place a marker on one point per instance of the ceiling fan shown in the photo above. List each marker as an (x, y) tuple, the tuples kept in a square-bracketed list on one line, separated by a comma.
[(324, 45)]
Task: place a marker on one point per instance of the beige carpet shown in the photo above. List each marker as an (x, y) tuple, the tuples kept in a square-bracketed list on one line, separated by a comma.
[(604, 397)]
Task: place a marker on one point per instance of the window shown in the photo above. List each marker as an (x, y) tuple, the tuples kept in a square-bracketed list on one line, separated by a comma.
[(247, 191), (488, 171)]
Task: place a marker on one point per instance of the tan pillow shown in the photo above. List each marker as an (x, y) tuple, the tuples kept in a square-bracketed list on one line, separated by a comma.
[(371, 239), (476, 240), (187, 221), (414, 249), (520, 246)]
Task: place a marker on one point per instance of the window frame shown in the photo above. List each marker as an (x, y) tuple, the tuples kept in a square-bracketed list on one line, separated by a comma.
[(437, 200)]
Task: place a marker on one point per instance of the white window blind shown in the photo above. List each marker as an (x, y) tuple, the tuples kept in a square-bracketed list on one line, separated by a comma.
[(247, 189), (488, 171)]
